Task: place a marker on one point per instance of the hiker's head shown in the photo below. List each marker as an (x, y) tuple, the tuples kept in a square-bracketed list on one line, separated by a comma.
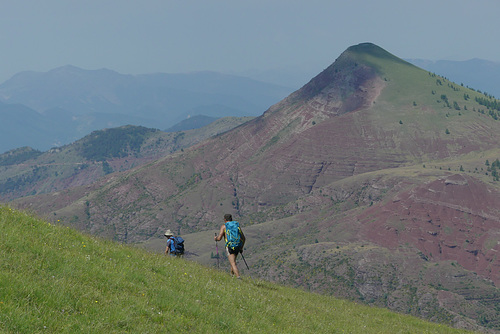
[(228, 217), (169, 234)]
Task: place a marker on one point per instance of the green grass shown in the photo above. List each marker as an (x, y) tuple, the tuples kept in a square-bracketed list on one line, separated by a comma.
[(57, 280)]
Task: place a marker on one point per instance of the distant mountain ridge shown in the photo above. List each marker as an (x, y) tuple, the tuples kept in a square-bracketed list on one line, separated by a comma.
[(71, 102), (194, 122), (26, 171), (82, 91), (476, 73)]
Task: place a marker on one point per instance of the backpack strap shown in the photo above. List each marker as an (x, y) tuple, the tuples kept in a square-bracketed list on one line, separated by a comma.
[(225, 234), (172, 244)]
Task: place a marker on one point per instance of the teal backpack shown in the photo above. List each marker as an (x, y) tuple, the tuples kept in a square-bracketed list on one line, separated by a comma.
[(233, 235)]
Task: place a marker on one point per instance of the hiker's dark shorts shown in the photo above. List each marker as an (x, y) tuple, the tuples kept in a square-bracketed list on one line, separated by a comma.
[(233, 251)]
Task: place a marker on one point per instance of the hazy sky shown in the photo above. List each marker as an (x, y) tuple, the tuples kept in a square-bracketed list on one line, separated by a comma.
[(236, 36)]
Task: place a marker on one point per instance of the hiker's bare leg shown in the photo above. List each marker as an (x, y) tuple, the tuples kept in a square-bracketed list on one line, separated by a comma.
[(232, 262)]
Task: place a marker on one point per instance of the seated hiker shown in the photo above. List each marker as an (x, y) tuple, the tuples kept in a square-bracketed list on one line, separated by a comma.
[(175, 245), (235, 240)]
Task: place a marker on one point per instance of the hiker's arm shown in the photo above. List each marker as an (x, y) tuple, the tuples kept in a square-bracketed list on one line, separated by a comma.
[(167, 250), (221, 233)]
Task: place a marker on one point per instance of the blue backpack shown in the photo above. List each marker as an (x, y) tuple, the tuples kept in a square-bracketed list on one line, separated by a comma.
[(233, 235), (177, 245)]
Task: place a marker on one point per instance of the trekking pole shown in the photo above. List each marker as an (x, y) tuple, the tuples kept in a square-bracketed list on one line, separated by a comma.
[(217, 248), (244, 260)]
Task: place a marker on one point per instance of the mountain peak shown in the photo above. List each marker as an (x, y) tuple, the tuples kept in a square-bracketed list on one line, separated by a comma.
[(372, 55), (368, 48), (67, 68), (346, 77)]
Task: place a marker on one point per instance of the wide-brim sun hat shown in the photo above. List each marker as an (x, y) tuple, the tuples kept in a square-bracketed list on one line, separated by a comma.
[(168, 233)]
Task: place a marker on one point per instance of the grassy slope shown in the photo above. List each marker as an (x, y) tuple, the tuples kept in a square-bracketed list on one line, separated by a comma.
[(412, 106), (55, 279)]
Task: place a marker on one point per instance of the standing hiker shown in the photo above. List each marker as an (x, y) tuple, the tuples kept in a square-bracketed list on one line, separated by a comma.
[(235, 240), (175, 245)]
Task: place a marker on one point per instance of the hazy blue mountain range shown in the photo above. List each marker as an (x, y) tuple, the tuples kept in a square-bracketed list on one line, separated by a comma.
[(43, 110), (22, 126), (477, 73), (191, 123)]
